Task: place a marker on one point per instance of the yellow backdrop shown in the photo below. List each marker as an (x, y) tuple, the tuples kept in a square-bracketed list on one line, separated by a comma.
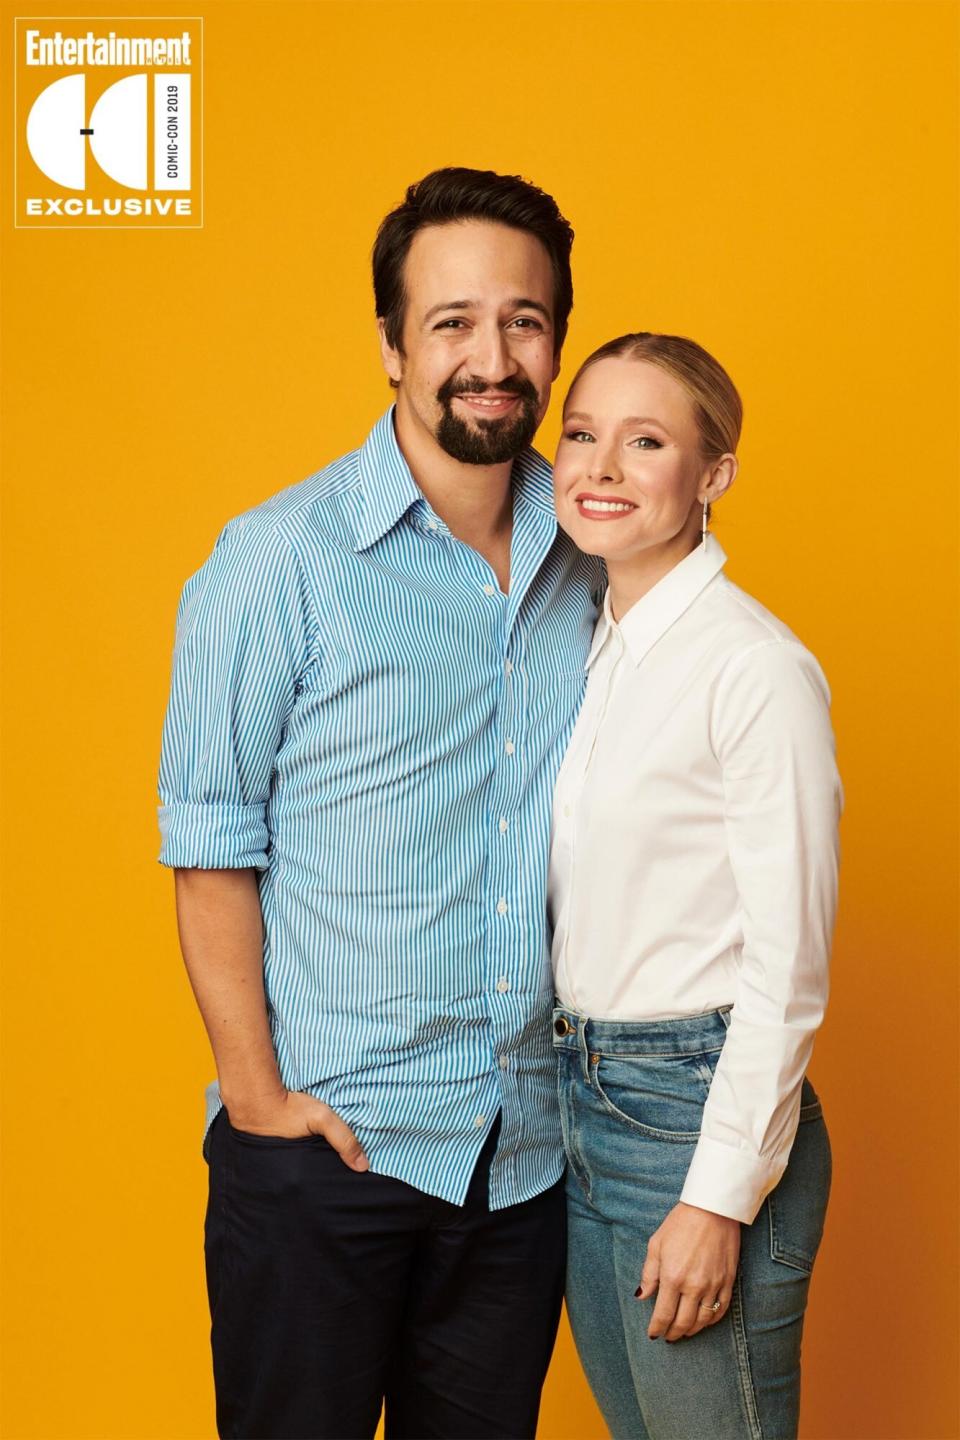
[(773, 179)]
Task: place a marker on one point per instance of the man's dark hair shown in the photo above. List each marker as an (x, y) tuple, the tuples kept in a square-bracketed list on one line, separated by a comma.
[(456, 193)]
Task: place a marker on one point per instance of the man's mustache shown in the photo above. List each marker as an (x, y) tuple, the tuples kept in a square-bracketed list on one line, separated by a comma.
[(510, 385)]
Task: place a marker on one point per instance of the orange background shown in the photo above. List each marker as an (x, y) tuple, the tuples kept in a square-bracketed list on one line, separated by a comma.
[(775, 180)]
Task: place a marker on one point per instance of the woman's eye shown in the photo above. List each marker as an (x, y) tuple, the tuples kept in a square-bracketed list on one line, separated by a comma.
[(581, 436), (646, 442)]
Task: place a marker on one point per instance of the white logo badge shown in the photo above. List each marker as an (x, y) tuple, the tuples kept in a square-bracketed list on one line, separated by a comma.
[(136, 132)]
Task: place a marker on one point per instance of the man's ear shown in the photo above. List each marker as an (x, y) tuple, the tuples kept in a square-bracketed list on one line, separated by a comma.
[(556, 367), (392, 362)]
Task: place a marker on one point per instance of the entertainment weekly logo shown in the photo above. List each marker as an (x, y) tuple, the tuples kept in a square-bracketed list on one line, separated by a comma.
[(108, 115)]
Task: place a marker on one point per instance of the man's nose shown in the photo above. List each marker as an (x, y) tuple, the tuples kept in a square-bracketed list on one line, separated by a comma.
[(490, 358)]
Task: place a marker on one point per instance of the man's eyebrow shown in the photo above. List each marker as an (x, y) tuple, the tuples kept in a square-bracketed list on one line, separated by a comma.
[(449, 305), (520, 303)]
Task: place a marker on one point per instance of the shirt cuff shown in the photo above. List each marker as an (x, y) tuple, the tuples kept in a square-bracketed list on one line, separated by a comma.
[(214, 837), (728, 1181)]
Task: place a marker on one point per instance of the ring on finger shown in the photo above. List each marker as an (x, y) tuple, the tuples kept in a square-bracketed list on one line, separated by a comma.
[(717, 1305)]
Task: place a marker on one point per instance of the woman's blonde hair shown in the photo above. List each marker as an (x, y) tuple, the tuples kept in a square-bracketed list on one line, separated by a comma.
[(717, 406)]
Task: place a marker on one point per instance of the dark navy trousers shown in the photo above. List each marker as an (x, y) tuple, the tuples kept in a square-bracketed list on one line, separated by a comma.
[(334, 1293)]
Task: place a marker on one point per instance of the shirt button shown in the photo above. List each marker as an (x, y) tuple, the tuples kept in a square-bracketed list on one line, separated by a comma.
[(502, 825), (508, 667), (566, 812), (501, 906), (480, 1121), (509, 747), (432, 525), (489, 590), (504, 1062), (503, 985)]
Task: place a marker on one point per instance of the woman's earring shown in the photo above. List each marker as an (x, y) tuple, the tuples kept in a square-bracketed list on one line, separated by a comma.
[(703, 532)]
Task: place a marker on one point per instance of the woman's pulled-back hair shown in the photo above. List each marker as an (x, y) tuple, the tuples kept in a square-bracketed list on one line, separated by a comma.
[(716, 403)]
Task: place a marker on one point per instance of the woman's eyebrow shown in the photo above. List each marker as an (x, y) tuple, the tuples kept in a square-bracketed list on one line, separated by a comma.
[(627, 419)]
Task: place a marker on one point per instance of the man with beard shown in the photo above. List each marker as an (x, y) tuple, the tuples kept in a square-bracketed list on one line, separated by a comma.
[(375, 676)]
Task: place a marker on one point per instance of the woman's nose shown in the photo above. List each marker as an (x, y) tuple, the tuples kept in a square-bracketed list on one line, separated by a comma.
[(603, 468)]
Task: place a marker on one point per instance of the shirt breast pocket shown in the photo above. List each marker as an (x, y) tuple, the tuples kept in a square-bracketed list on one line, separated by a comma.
[(552, 695)]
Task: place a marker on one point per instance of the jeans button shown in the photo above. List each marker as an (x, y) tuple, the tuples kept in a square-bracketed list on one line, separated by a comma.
[(562, 1026)]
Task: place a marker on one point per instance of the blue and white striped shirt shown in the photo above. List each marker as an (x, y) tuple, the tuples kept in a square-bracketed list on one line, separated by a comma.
[(358, 712)]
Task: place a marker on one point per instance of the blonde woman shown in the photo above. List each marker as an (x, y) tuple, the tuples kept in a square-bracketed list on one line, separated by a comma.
[(692, 892)]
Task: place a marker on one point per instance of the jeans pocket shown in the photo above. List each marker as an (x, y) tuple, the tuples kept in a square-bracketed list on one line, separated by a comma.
[(208, 1137), (661, 1097), (797, 1207), (273, 1142)]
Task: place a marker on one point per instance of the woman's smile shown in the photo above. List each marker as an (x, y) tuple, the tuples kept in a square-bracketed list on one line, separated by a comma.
[(595, 507)]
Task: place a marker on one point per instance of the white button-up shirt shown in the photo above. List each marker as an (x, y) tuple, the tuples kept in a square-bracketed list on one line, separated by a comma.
[(694, 854)]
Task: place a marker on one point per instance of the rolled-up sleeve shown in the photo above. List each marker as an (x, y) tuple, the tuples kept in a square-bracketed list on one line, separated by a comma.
[(244, 638), (783, 797)]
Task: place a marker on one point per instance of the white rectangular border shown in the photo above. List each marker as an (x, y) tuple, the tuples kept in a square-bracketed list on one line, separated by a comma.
[(203, 165)]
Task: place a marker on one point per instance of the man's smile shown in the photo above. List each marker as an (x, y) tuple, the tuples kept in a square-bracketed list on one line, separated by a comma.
[(489, 405)]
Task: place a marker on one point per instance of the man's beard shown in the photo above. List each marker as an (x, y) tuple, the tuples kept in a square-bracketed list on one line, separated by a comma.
[(494, 441)]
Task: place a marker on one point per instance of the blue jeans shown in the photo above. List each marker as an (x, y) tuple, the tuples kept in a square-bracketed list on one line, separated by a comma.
[(631, 1100)]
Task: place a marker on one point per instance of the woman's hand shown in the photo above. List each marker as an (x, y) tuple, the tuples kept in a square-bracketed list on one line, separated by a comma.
[(692, 1260)]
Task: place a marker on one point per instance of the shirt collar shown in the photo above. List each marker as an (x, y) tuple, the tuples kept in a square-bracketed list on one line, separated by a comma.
[(654, 613), (532, 478), (388, 489)]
